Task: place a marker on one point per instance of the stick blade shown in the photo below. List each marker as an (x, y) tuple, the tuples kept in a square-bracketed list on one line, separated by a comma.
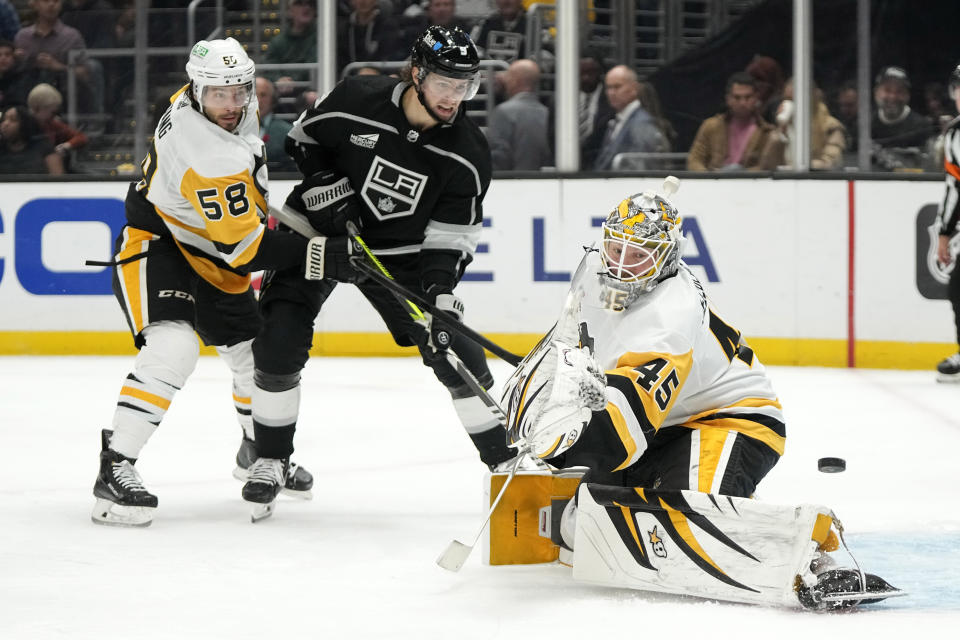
[(454, 556)]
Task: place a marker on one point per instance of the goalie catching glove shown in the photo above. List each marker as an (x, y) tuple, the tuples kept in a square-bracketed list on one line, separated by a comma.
[(441, 334), (328, 202), (551, 398), (329, 258)]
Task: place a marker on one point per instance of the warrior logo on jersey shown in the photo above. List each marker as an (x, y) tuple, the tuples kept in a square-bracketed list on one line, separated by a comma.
[(391, 191), (656, 544)]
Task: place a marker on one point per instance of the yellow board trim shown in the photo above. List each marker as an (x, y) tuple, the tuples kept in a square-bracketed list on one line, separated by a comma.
[(789, 352)]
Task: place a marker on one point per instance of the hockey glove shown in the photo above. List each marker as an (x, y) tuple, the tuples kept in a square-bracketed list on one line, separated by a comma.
[(441, 333), (551, 403), (329, 258), (328, 201)]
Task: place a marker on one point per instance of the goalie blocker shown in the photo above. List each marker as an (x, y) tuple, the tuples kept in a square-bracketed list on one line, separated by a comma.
[(678, 542)]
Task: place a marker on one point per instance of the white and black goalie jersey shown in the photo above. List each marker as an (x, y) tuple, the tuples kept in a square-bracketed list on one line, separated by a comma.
[(422, 191)]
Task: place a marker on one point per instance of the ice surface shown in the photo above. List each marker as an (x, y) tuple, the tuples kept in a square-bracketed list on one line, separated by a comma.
[(397, 480)]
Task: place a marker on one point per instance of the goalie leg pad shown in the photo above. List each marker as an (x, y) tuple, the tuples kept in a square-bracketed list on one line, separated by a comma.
[(697, 544)]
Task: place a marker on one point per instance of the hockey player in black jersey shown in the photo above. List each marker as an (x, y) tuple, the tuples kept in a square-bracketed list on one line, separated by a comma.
[(402, 161), (948, 216)]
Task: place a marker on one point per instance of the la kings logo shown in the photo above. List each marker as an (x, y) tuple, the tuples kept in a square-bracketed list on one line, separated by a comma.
[(392, 191)]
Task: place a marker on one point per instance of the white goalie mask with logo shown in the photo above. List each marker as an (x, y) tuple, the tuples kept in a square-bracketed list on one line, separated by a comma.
[(641, 246)]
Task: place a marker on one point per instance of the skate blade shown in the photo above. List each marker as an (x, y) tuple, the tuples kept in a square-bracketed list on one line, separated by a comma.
[(112, 514), (948, 377), (857, 596), (243, 475), (299, 495), (261, 511), (454, 556)]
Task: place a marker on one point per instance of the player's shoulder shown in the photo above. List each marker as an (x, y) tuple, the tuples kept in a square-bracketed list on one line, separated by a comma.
[(953, 126), (198, 144), (465, 139), (360, 92), (678, 304)]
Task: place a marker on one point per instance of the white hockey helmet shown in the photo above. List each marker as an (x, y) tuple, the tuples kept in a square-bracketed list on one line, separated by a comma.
[(220, 63), (641, 246)]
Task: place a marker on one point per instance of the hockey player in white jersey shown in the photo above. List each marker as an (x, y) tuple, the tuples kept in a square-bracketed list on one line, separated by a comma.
[(194, 233), (642, 382)]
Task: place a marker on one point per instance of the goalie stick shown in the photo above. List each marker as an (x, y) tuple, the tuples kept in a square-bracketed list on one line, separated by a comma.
[(417, 304)]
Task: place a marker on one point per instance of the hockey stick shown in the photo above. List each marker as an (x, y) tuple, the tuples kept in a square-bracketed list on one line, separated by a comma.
[(413, 298), (456, 553), (299, 223)]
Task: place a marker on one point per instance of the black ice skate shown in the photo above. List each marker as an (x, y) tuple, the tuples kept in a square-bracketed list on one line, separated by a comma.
[(266, 478), (122, 500), (299, 481), (841, 589), (949, 369)]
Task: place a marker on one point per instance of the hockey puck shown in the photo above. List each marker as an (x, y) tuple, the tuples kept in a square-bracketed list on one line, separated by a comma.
[(831, 465)]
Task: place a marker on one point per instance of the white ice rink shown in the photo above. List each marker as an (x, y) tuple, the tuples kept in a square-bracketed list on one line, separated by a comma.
[(397, 479)]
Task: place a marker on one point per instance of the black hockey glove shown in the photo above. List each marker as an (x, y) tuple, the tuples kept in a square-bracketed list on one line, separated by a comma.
[(441, 333), (328, 201), (329, 258)]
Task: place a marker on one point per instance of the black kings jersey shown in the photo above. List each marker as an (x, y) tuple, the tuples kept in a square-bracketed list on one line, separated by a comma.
[(421, 191)]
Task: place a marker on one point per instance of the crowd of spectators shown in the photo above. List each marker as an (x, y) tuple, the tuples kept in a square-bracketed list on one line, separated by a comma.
[(621, 123)]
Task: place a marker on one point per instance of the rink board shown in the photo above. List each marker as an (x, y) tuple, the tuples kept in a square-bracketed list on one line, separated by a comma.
[(776, 256)]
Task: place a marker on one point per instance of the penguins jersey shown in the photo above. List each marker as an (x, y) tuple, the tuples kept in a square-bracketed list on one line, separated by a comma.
[(949, 212), (671, 361), (421, 191), (207, 189)]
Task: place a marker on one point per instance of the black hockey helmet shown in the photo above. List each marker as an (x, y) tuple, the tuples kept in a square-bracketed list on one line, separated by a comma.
[(447, 52)]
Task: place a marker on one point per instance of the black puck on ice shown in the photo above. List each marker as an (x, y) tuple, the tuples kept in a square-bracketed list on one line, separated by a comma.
[(831, 465)]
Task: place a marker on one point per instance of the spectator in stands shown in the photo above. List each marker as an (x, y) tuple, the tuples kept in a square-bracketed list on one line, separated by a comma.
[(501, 35), (273, 130), (43, 48), (94, 19), (295, 44), (939, 109), (738, 138), (517, 128), (594, 110), (900, 135), (23, 148), (14, 83), (847, 111), (9, 20), (44, 102), (769, 78), (827, 137), (367, 36), (650, 101), (442, 13), (632, 129)]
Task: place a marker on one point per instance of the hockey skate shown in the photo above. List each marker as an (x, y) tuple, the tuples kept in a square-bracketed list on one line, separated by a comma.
[(949, 369), (299, 481), (266, 478), (841, 589), (122, 500)]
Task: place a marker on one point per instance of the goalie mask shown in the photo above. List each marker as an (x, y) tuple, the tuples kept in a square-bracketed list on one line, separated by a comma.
[(221, 78), (640, 248)]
